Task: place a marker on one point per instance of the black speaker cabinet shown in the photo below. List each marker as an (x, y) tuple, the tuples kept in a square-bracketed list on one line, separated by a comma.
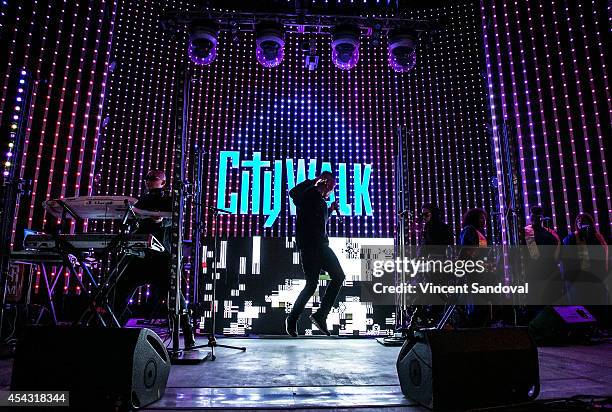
[(469, 368), (99, 366), (562, 324)]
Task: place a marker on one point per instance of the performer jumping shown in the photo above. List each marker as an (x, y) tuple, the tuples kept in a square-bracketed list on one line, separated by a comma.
[(311, 238), (154, 268)]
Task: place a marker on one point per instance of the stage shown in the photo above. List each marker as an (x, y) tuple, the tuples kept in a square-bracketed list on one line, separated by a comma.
[(282, 373)]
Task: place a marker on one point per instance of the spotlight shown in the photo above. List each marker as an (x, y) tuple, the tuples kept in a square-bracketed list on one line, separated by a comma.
[(345, 46), (402, 50), (270, 44), (203, 36)]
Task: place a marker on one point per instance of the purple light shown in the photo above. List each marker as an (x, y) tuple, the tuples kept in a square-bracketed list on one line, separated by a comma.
[(270, 51), (345, 65), (202, 45), (345, 47), (270, 44), (402, 64), (402, 51)]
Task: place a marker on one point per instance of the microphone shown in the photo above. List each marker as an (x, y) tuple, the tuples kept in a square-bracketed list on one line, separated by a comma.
[(405, 212), (337, 211), (216, 210)]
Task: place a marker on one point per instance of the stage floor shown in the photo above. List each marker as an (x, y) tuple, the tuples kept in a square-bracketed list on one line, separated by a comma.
[(340, 373)]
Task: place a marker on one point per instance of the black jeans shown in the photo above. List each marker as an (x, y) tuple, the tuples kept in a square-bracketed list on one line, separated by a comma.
[(313, 260), (153, 269)]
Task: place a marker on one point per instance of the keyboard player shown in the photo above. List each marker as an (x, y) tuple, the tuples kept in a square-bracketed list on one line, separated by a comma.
[(154, 268)]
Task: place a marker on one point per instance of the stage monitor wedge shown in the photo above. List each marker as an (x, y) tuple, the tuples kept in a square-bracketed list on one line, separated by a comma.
[(469, 368), (562, 325), (100, 367)]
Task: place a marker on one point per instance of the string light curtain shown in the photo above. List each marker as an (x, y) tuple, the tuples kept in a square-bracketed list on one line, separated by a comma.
[(290, 112), (548, 80), (63, 49)]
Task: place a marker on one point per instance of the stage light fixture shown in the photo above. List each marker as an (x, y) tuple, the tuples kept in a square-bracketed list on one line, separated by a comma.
[(270, 44), (203, 39), (345, 46), (402, 50)]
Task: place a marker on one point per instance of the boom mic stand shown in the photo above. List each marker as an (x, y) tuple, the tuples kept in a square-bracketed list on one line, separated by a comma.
[(212, 340)]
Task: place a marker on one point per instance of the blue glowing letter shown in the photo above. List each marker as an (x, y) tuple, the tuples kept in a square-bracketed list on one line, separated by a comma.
[(361, 185), (345, 207), (224, 156), (268, 210), (256, 164)]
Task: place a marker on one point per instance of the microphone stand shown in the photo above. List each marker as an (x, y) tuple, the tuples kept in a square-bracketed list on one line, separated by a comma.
[(187, 355), (212, 340)]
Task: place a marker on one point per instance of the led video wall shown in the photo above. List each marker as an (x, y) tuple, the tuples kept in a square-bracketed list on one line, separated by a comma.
[(260, 278)]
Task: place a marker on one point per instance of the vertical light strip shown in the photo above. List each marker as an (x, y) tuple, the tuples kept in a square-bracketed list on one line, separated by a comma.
[(253, 137), (275, 135), (350, 138), (44, 119), (604, 67), (477, 118), (364, 134), (543, 120), (495, 132), (33, 100), (58, 123), (290, 146), (556, 122), (78, 170), (213, 135), (585, 132), (536, 174), (596, 108), (570, 122), (441, 132), (11, 49), (517, 111), (100, 106), (464, 138), (151, 70)]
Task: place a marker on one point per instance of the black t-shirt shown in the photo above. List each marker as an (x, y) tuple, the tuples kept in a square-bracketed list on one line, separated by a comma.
[(436, 236), (158, 201), (544, 237), (311, 222)]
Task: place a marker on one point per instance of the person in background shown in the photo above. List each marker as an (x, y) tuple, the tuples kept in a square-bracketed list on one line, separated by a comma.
[(311, 239), (473, 228), (434, 241), (154, 268), (585, 265), (542, 264), (536, 234), (435, 231), (474, 246)]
